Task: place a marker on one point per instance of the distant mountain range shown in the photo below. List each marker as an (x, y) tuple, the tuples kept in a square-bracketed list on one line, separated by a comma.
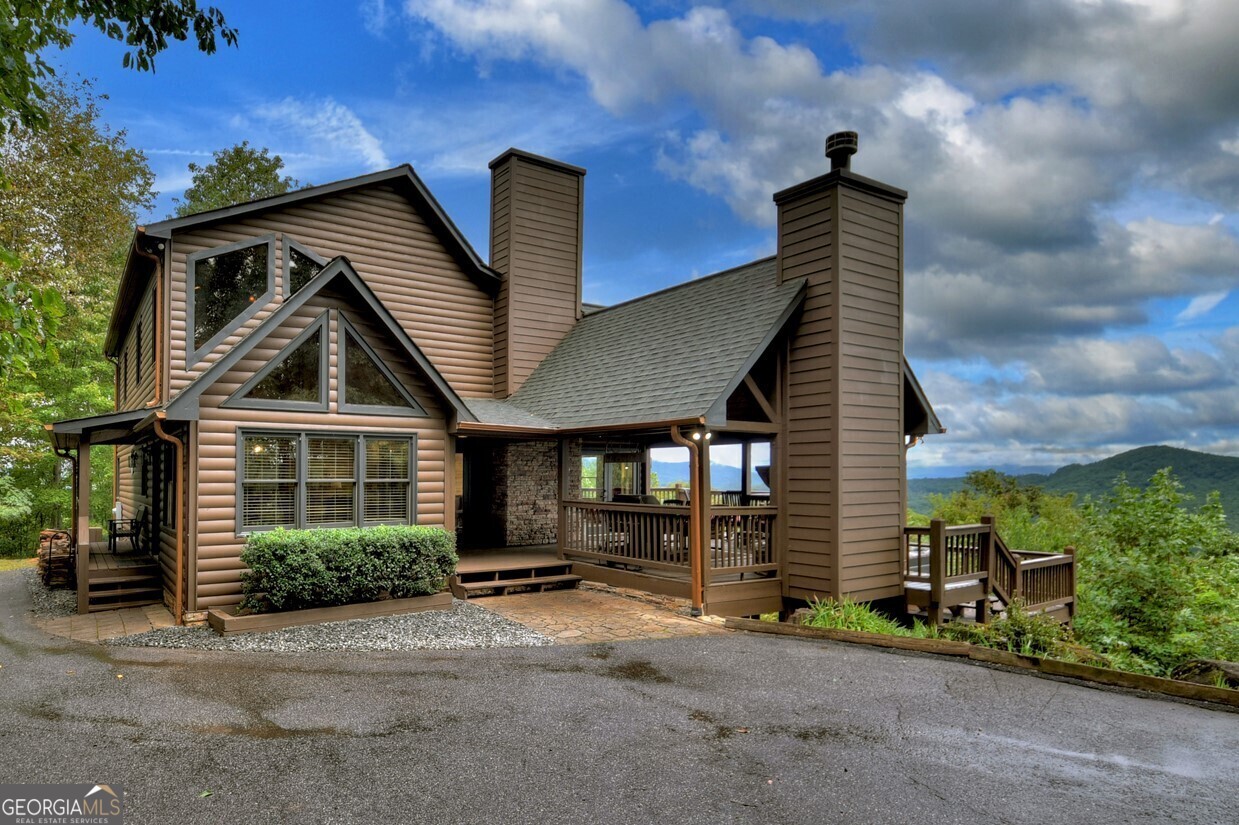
[(1199, 473), (722, 476)]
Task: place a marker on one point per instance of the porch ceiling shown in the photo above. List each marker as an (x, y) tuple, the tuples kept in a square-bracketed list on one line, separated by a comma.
[(123, 427)]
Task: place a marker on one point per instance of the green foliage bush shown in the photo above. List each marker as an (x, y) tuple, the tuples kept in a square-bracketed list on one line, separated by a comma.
[(295, 569), (850, 615), (1157, 583)]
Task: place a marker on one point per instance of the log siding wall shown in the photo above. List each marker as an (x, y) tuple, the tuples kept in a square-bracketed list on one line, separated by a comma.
[(216, 563), (393, 249)]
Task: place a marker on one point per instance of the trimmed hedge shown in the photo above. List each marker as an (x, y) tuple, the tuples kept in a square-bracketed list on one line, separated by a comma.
[(296, 569)]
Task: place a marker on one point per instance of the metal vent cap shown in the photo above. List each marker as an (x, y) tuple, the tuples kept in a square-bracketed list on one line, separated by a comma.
[(840, 147)]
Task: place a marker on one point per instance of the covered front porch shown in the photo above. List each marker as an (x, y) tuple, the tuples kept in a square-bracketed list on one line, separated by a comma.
[(618, 515), (139, 561)]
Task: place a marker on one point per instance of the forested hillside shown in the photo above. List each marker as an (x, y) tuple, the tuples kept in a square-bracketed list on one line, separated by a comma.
[(1199, 473)]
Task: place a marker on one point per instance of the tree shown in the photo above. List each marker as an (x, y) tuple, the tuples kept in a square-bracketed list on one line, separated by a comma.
[(1157, 583), (29, 314), (236, 175), (69, 215), (28, 27)]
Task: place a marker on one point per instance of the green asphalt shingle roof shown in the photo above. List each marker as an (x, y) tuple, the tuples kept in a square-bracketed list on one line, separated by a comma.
[(666, 356)]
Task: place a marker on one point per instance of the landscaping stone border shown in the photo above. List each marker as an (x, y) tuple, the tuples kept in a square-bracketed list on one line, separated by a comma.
[(1036, 664), (224, 621)]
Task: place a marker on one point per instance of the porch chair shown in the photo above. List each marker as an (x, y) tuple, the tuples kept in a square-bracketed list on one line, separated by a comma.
[(127, 528)]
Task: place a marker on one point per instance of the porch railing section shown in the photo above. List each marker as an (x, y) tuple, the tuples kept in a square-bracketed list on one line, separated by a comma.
[(654, 537), (718, 498), (976, 552)]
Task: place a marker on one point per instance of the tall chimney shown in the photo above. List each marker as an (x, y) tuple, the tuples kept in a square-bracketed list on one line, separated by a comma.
[(535, 243), (844, 475)]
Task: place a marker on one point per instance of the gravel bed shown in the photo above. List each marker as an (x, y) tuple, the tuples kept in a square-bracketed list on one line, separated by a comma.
[(49, 604), (464, 626)]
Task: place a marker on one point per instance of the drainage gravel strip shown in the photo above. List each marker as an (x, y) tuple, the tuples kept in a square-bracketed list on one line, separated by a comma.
[(464, 626)]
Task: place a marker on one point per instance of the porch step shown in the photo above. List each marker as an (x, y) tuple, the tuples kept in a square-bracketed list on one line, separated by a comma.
[(126, 587), (497, 582)]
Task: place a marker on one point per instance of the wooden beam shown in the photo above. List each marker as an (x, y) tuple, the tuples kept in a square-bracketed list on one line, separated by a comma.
[(761, 399)]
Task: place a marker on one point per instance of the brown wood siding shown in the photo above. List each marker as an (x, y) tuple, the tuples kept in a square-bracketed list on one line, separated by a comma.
[(135, 388), (536, 243), (872, 509), (500, 243), (394, 251), (218, 566), (806, 249), (843, 389)]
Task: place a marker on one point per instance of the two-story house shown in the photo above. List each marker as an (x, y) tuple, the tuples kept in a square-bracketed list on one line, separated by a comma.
[(341, 355)]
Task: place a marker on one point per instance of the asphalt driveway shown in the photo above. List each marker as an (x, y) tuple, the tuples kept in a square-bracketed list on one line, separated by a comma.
[(714, 729)]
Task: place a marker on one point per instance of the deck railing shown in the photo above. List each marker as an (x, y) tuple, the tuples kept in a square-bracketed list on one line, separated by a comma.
[(655, 537), (977, 553), (718, 498)]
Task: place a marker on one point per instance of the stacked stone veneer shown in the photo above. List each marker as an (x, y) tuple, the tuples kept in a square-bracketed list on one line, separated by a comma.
[(526, 491)]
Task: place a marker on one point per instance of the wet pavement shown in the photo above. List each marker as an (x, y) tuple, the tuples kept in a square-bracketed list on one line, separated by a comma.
[(726, 727)]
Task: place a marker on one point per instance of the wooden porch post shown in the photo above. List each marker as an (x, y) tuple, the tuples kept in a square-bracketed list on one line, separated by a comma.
[(706, 522), (937, 569), (82, 528), (987, 558), (694, 517)]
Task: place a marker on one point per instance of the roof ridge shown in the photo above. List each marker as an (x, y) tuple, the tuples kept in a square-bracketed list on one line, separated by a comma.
[(681, 285)]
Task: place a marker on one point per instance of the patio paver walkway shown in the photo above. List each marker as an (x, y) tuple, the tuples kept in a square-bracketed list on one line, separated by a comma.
[(597, 613), (108, 624)]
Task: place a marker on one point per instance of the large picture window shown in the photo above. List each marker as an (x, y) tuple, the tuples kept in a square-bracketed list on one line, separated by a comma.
[(227, 285), (325, 480)]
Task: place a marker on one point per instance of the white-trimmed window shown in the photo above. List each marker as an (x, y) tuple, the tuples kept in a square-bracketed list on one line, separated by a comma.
[(325, 480)]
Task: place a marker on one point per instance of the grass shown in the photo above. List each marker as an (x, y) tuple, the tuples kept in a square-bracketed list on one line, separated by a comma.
[(16, 564), (1016, 630)]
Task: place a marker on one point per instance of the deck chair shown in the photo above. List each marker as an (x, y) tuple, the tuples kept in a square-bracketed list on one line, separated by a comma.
[(127, 528)]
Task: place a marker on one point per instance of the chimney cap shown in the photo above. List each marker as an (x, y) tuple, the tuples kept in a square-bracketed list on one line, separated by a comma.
[(840, 147)]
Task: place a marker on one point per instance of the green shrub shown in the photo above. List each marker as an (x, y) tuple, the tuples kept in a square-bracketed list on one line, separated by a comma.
[(850, 615), (1016, 631), (294, 569)]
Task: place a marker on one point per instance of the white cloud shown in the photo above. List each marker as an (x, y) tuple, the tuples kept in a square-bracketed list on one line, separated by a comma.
[(375, 16), (1201, 306), (1037, 121), (326, 129)]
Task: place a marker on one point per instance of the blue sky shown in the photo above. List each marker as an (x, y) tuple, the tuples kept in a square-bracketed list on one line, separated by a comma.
[(1072, 258)]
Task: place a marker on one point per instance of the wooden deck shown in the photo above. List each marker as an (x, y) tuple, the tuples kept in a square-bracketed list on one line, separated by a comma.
[(101, 559)]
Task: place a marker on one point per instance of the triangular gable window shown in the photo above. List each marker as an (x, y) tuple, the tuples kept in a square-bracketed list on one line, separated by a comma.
[(300, 265), (295, 379), (368, 386)]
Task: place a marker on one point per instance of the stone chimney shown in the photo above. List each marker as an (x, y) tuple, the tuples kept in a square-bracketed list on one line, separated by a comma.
[(845, 480), (535, 243)]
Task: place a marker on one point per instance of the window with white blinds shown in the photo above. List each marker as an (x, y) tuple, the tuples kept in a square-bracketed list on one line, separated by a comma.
[(387, 481), (270, 487), (325, 480), (331, 482)]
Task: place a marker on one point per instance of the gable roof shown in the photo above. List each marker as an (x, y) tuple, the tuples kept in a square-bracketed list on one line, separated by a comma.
[(919, 417), (402, 178), (674, 355), (185, 404)]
